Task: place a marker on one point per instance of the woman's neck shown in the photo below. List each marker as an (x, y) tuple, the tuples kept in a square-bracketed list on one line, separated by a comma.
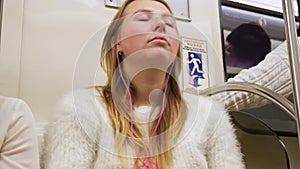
[(148, 88)]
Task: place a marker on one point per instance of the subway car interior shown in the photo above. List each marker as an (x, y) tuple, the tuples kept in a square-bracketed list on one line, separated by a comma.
[(51, 47)]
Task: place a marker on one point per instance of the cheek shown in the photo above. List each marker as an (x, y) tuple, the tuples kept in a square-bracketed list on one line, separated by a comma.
[(174, 40), (132, 38), (131, 30), (175, 46), (131, 45)]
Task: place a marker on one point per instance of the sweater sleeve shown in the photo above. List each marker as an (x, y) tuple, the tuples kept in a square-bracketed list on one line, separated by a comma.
[(66, 143), (19, 148), (223, 150), (273, 73)]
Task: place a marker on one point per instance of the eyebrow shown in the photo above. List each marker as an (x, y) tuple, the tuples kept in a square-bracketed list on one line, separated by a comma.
[(142, 10), (148, 10)]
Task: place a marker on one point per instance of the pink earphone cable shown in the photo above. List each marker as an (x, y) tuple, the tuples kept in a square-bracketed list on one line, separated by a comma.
[(163, 103), (127, 88), (146, 161)]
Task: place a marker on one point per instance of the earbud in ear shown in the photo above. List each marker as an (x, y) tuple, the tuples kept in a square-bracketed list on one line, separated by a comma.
[(120, 53)]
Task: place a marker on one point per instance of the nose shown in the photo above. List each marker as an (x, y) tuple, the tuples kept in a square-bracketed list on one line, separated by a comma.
[(160, 25)]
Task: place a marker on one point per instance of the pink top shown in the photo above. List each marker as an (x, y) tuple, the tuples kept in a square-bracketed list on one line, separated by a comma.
[(18, 140)]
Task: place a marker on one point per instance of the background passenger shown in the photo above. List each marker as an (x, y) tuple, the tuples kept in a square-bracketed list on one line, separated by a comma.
[(18, 140)]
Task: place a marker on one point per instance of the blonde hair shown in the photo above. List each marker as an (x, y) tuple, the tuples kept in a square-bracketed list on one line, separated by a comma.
[(175, 112)]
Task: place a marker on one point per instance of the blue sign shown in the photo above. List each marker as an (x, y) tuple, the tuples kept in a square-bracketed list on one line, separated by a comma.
[(195, 67)]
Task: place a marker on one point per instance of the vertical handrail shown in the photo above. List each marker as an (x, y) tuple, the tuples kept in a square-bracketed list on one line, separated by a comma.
[(292, 47)]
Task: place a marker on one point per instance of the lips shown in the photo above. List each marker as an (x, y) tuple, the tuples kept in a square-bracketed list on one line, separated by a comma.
[(159, 38)]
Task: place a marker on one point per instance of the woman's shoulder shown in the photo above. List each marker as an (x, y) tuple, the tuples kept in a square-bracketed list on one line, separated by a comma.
[(85, 106), (205, 110), (78, 98), (203, 103), (14, 107), (11, 103), (78, 101), (193, 97)]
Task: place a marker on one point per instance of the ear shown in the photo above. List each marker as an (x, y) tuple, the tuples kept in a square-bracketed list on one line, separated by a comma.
[(119, 46)]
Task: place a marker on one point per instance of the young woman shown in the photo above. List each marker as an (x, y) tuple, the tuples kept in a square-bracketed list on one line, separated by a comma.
[(140, 118)]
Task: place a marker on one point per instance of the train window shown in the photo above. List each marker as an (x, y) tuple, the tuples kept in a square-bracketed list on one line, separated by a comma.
[(247, 26), (251, 29), (271, 5)]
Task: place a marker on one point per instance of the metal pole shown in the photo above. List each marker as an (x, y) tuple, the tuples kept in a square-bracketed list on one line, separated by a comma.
[(292, 47), (276, 98)]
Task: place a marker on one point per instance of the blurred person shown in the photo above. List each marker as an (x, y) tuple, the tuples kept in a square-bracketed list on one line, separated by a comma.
[(273, 73), (248, 44), (18, 139)]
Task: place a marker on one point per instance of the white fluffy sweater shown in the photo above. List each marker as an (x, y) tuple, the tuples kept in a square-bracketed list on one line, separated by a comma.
[(80, 136)]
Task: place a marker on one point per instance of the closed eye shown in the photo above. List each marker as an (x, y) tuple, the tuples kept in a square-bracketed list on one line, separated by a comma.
[(169, 20), (142, 16), (170, 25)]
